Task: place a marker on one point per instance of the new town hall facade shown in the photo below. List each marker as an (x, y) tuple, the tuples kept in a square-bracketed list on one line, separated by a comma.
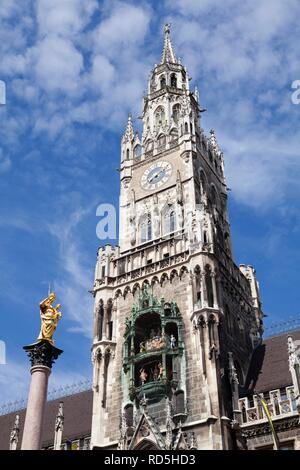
[(176, 321), (177, 340)]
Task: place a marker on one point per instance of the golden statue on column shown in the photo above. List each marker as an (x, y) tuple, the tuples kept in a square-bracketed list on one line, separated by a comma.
[(49, 317)]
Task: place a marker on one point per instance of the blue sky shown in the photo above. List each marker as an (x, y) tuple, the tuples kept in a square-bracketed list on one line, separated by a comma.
[(73, 71)]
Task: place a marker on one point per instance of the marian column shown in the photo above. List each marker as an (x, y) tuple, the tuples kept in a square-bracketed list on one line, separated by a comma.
[(42, 355)]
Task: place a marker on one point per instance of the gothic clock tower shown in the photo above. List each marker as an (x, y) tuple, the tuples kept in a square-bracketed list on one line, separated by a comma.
[(175, 320)]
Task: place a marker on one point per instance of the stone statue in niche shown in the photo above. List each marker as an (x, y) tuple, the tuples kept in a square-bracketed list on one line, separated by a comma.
[(143, 375), (172, 342)]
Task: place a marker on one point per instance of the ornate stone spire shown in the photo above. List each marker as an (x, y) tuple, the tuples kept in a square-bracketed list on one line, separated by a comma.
[(293, 358), (59, 426), (168, 53), (294, 367), (232, 370), (14, 435), (213, 142), (129, 132), (169, 424)]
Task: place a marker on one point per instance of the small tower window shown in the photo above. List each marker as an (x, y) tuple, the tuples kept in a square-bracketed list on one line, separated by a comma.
[(169, 220), (129, 415), (146, 228), (159, 116), (209, 286), (186, 128), (179, 402), (161, 141), (173, 80), (162, 82), (127, 154), (176, 112), (137, 151), (149, 146)]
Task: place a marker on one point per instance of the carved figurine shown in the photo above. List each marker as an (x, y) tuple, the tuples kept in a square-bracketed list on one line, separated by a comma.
[(155, 373), (172, 342), (49, 316), (142, 347), (143, 376), (160, 371)]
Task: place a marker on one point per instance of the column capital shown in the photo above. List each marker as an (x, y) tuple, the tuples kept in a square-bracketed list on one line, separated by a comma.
[(42, 353)]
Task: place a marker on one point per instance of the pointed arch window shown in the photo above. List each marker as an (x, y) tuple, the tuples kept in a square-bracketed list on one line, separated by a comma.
[(146, 228), (161, 141), (163, 81), (169, 220), (209, 286), (173, 138), (160, 116), (173, 80), (149, 146), (138, 151), (176, 112)]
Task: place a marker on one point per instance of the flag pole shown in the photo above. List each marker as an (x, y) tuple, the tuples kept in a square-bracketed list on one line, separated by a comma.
[(264, 405)]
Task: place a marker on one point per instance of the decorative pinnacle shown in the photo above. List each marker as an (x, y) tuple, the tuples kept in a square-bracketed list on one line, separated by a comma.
[(129, 132), (213, 142), (168, 53)]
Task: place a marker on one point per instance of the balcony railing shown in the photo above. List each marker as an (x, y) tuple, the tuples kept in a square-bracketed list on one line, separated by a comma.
[(280, 402)]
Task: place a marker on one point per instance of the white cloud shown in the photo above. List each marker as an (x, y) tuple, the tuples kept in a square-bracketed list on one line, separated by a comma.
[(103, 73), (74, 279), (58, 65), (126, 26), (64, 17)]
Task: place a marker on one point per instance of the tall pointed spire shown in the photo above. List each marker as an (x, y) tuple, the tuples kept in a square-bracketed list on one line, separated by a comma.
[(129, 132), (168, 53)]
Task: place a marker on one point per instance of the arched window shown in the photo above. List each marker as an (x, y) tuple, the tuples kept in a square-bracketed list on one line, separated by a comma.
[(213, 196), (173, 135), (109, 323), (179, 402), (159, 116), (198, 284), (228, 319), (176, 112), (146, 228), (162, 81), (149, 146), (137, 151), (169, 220), (209, 286), (191, 127), (161, 141), (127, 154), (128, 410), (186, 128), (173, 80), (100, 321), (203, 182)]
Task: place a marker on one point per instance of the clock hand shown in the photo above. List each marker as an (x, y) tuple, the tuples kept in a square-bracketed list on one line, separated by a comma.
[(156, 176), (153, 177)]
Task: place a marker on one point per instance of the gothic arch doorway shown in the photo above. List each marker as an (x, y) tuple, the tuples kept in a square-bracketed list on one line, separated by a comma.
[(146, 444)]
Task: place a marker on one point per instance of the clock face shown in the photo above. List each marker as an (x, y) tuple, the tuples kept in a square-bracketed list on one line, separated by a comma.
[(156, 175)]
